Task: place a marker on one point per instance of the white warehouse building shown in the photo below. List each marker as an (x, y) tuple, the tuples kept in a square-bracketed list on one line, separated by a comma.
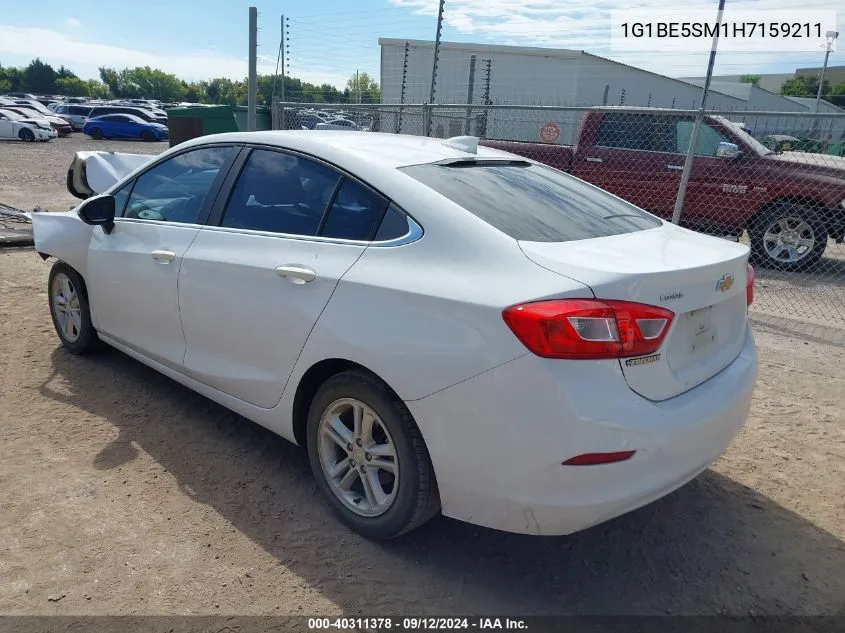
[(547, 77)]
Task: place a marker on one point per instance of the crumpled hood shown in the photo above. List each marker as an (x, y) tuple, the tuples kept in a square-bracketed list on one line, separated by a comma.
[(94, 172)]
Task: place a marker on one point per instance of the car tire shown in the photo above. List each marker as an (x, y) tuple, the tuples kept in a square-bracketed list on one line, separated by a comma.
[(148, 136), (412, 498), (789, 237), (26, 135), (70, 311), (95, 133)]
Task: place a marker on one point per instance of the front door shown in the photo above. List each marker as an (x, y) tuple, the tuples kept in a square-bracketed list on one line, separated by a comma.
[(252, 288), (133, 271)]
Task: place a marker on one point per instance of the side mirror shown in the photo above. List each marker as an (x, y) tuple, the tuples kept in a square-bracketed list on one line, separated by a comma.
[(727, 150), (98, 211)]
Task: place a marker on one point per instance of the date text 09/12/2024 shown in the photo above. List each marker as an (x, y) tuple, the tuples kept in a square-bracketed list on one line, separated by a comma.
[(416, 624)]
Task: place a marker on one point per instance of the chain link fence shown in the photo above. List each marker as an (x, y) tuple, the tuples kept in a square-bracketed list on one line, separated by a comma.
[(772, 180)]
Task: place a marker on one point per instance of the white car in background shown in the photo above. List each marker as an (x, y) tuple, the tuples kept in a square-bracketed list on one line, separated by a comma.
[(339, 124), (15, 126), (443, 326)]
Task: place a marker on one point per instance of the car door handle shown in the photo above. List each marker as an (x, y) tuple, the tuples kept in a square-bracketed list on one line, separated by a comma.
[(676, 167), (163, 257), (592, 159), (296, 274)]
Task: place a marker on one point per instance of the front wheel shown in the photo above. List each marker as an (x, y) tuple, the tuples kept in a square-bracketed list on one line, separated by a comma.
[(369, 457), (69, 309), (789, 237), (95, 133), (26, 135), (148, 136)]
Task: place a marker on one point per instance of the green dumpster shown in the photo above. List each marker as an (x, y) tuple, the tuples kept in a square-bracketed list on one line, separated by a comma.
[(191, 122)]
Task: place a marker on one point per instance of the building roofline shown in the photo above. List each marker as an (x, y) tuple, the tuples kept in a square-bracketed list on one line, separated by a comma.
[(563, 53)]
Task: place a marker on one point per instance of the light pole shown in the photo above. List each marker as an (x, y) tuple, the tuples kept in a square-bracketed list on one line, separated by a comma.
[(830, 38)]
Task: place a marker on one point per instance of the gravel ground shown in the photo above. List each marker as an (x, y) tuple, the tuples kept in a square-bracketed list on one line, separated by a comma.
[(125, 493)]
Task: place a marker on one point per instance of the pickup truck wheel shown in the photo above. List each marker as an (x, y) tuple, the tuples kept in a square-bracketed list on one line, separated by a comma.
[(26, 135), (69, 310), (789, 237)]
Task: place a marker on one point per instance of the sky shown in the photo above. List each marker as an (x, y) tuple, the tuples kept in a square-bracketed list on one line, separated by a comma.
[(330, 39)]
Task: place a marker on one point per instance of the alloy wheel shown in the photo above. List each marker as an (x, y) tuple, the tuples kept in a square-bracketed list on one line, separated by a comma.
[(789, 239), (358, 457), (65, 301)]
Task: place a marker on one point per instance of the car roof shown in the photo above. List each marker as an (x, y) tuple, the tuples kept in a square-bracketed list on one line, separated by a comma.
[(349, 148)]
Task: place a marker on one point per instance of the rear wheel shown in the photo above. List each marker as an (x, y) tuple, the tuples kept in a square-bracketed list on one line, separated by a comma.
[(369, 457), (148, 136), (26, 135), (95, 133), (69, 310), (788, 237)]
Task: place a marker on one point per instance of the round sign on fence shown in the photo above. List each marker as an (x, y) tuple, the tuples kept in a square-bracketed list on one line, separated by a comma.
[(550, 132)]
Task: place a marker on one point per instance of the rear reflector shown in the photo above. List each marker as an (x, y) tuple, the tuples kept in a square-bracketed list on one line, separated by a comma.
[(589, 328), (593, 459), (749, 285)]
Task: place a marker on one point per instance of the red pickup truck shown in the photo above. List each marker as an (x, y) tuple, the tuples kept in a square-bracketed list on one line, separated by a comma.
[(790, 203)]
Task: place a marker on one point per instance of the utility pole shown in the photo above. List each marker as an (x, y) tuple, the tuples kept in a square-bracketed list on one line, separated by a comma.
[(284, 67), (830, 38), (486, 98), (436, 58), (253, 69), (682, 188), (470, 89), (357, 87), (402, 94)]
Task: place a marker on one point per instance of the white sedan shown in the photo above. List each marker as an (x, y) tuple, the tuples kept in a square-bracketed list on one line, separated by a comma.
[(445, 327), (15, 126)]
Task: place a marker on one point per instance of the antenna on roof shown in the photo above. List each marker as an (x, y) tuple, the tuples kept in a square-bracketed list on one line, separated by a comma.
[(468, 144)]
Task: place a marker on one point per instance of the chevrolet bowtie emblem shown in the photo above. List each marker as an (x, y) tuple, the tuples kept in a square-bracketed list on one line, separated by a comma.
[(725, 283)]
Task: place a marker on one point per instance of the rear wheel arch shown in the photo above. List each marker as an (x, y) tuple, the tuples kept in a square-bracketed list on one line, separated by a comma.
[(311, 381)]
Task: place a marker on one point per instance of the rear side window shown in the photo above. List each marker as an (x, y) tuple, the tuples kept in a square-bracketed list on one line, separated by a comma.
[(533, 203), (354, 212)]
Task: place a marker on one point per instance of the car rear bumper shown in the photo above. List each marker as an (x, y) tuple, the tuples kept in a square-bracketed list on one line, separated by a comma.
[(497, 441)]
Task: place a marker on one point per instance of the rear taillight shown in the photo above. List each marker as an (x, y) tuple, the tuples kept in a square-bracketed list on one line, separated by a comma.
[(589, 328), (749, 285)]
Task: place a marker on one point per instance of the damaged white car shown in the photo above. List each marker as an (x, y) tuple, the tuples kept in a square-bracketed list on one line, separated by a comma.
[(444, 326)]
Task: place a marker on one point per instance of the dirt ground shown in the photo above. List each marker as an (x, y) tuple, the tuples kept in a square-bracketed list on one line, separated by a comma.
[(122, 492)]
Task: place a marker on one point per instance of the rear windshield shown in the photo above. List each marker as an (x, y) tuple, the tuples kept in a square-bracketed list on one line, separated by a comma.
[(531, 202)]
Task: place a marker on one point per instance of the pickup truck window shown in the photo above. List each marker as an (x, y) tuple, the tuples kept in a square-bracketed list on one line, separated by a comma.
[(708, 138), (656, 133), (531, 202)]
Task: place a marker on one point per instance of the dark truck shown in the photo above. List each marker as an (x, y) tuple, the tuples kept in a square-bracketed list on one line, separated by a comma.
[(790, 203)]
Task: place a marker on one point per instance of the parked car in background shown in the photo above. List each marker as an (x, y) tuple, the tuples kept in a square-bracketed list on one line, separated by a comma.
[(77, 115), (15, 126), (338, 124), (442, 325), (789, 203), (62, 127), (142, 113), (18, 95), (125, 126)]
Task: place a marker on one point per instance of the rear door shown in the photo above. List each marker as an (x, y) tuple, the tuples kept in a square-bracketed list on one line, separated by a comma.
[(633, 156), (252, 287)]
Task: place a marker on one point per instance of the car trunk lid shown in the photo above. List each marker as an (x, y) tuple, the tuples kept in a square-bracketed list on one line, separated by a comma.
[(699, 278)]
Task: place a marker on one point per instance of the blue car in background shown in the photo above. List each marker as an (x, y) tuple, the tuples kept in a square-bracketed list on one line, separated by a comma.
[(124, 126)]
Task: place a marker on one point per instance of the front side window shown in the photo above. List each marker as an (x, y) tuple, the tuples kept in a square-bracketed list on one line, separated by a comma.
[(175, 190), (532, 202), (707, 142), (280, 193)]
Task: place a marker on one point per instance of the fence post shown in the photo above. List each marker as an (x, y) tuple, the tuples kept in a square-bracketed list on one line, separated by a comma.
[(426, 112), (685, 174), (470, 89)]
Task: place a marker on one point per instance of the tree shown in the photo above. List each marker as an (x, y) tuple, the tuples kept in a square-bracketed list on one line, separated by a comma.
[(39, 77), (754, 80), (803, 86), (72, 87), (111, 78), (64, 73), (151, 83), (362, 88)]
